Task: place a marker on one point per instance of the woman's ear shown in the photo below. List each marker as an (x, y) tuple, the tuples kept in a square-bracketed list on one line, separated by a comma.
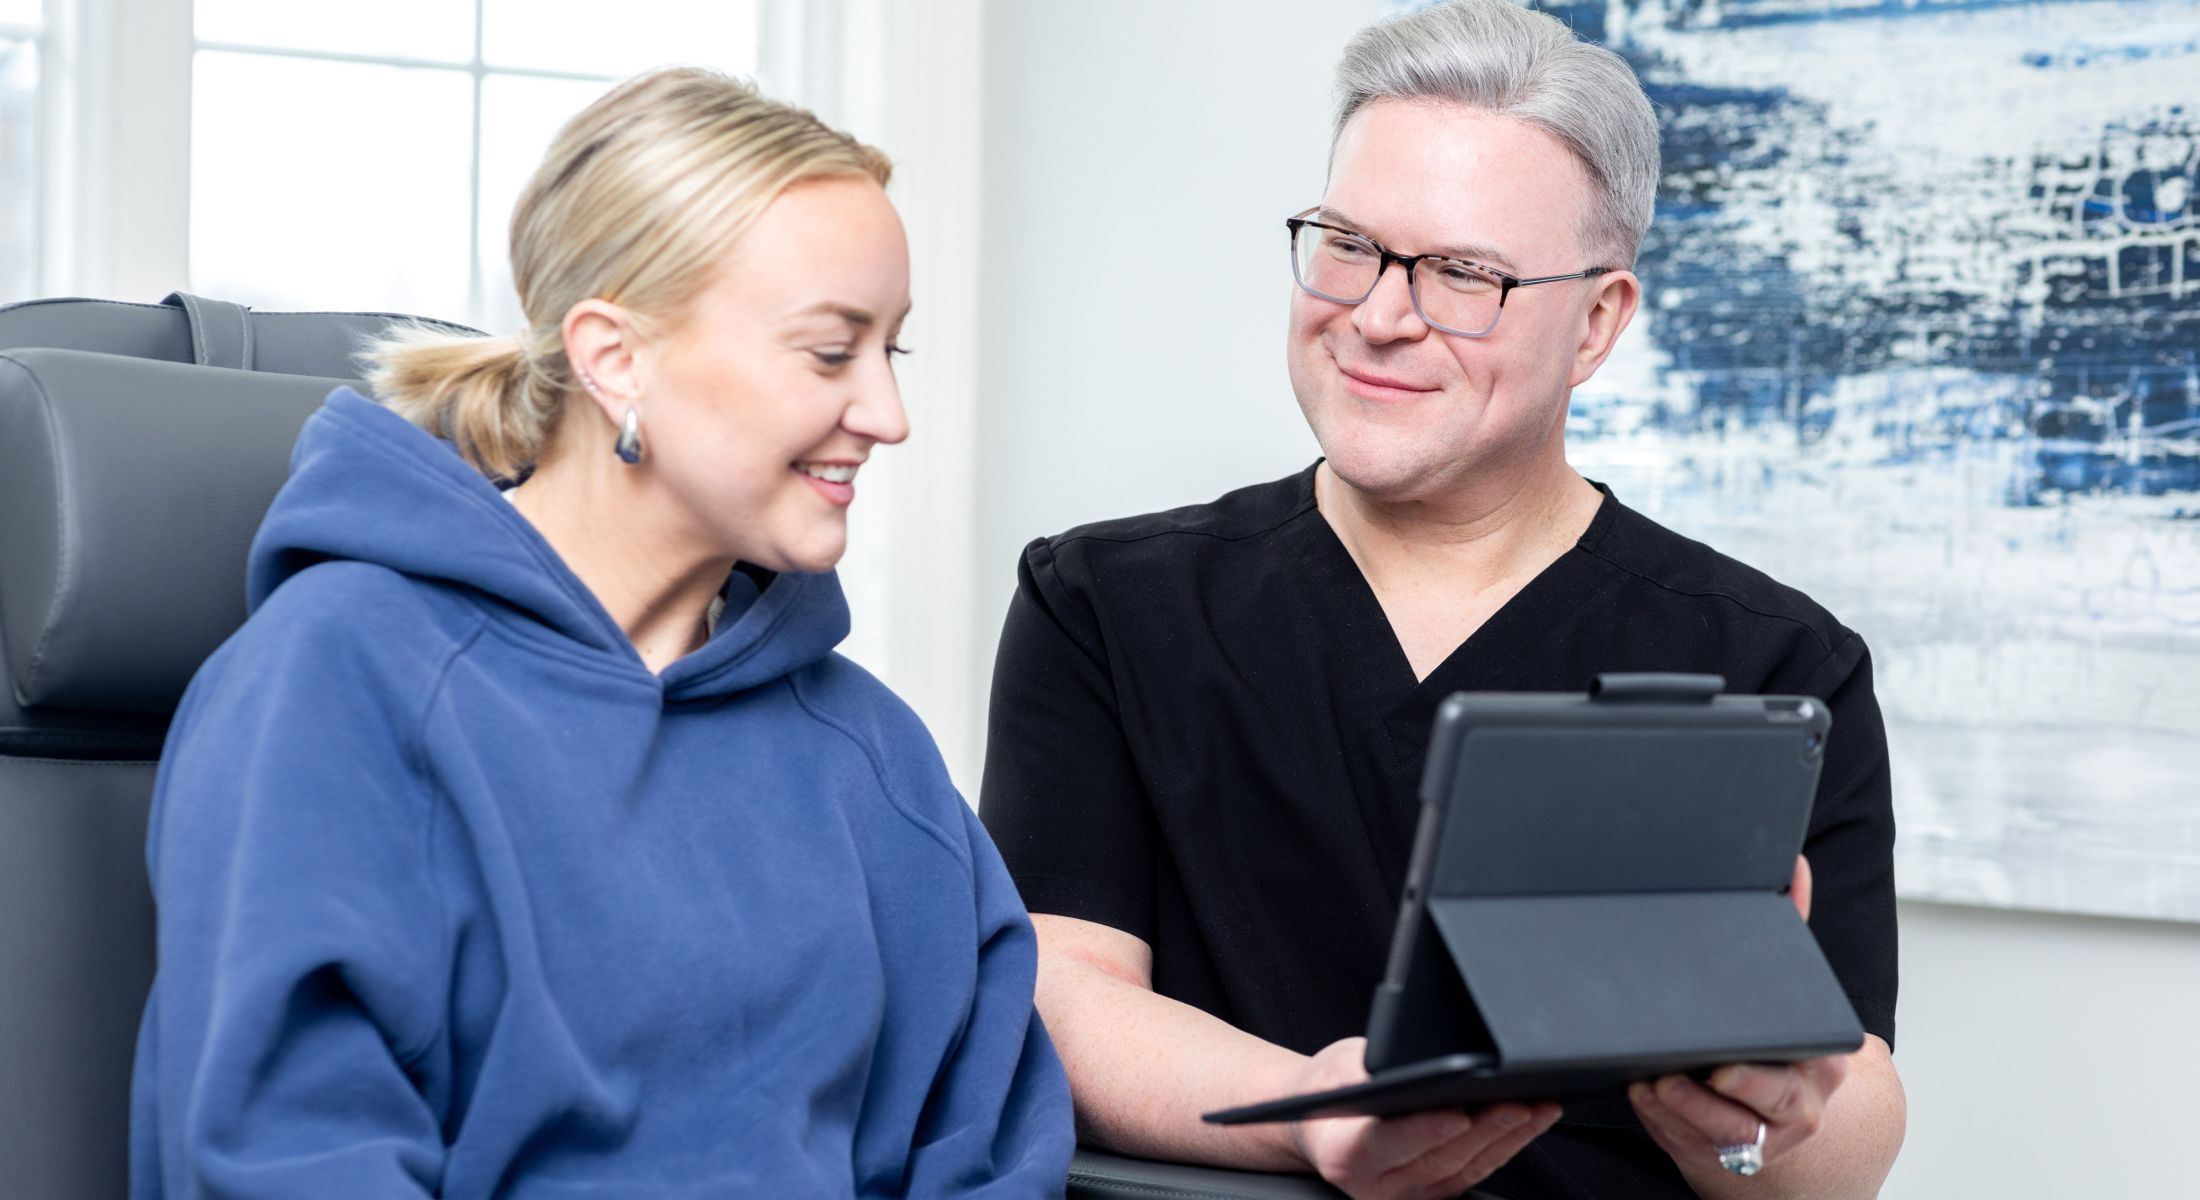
[(600, 345)]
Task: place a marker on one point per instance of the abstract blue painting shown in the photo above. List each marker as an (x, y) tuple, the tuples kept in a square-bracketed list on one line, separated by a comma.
[(1921, 336)]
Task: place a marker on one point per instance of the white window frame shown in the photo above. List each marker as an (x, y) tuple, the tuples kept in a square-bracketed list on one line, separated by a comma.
[(39, 35), (478, 71), (115, 218), (115, 222)]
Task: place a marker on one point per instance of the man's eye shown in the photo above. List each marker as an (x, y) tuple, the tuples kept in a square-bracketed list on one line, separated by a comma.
[(1465, 279), (1351, 247)]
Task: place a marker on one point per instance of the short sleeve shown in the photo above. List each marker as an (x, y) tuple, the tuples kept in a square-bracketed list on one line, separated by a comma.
[(1851, 840), (1061, 795)]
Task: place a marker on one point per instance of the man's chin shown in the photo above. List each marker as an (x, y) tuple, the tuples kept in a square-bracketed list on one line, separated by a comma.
[(1389, 478)]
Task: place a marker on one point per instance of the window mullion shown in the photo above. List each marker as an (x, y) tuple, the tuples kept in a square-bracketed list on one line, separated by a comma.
[(117, 174), (477, 300)]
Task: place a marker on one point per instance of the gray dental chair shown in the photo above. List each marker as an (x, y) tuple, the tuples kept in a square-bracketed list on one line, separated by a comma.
[(140, 445)]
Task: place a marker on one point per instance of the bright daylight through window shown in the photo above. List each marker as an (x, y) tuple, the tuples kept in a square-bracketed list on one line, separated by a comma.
[(367, 156), (19, 119)]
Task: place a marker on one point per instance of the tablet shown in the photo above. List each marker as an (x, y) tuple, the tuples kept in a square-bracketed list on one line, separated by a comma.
[(1598, 894)]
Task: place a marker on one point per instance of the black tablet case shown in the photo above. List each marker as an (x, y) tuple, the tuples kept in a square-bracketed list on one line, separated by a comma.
[(1598, 895)]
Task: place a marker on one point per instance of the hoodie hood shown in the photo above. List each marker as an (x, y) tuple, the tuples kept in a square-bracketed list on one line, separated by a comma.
[(366, 485)]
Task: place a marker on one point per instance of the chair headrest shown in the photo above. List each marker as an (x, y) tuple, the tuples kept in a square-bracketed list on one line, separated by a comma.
[(188, 329), (130, 491)]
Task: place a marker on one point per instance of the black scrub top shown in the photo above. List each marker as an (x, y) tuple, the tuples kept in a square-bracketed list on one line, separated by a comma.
[(1204, 733)]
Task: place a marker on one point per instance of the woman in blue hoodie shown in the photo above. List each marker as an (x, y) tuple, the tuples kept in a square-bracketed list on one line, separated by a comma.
[(534, 842)]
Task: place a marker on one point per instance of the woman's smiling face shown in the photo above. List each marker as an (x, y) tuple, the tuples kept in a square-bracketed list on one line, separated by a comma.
[(761, 405)]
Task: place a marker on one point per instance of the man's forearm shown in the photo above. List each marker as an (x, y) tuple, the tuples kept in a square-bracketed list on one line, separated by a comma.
[(1143, 1068)]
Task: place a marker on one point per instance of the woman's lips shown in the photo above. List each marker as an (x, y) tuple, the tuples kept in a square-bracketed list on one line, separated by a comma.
[(836, 481)]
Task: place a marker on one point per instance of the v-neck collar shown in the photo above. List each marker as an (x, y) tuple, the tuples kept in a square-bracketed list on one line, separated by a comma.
[(1378, 678)]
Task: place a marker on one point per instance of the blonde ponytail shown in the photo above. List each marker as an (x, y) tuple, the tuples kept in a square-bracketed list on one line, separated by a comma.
[(636, 202), (480, 392)]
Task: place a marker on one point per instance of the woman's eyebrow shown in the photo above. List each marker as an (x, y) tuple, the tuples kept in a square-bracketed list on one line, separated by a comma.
[(1489, 255), (858, 317)]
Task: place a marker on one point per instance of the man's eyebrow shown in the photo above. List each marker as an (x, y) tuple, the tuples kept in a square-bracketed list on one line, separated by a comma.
[(1487, 255)]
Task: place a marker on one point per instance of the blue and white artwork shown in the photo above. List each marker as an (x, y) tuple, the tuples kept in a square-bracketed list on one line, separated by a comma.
[(1921, 337)]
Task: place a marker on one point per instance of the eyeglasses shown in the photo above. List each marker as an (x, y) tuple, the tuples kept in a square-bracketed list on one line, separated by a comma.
[(1451, 294)]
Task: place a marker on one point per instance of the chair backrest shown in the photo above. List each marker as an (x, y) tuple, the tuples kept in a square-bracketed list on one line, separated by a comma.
[(133, 473)]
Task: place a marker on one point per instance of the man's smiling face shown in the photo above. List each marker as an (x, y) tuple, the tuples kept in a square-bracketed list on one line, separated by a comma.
[(1403, 411)]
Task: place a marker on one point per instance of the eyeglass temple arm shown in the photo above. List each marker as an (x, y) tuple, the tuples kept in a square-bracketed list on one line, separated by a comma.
[(1593, 271)]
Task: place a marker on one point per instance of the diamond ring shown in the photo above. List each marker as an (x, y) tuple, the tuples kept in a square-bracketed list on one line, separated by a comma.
[(1745, 1158)]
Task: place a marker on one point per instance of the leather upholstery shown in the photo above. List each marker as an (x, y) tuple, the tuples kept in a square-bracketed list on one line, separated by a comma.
[(122, 555), (76, 933), (1098, 1175), (281, 342)]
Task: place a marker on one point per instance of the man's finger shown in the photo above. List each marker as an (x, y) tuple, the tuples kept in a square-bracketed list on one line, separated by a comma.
[(1395, 1143), (1433, 1163), (1678, 1138), (1781, 1095), (1724, 1122), (1420, 1174), (1502, 1150), (1799, 886), (1828, 1073)]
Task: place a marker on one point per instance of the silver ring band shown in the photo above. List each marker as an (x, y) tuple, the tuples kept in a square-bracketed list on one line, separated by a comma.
[(1745, 1158)]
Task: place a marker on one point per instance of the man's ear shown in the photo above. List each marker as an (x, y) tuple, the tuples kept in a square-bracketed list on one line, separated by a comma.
[(1613, 299), (600, 345)]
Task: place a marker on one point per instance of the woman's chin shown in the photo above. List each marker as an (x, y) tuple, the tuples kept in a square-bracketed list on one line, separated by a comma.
[(812, 557)]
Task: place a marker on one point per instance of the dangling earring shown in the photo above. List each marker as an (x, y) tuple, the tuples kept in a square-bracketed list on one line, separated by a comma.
[(630, 437)]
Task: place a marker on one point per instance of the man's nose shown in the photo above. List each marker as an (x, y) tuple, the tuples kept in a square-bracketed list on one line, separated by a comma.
[(1388, 315)]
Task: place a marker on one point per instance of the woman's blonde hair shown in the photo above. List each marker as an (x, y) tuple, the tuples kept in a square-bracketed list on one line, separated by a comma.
[(636, 202)]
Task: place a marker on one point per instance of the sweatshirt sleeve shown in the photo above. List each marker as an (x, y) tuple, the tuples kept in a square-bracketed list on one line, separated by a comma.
[(998, 1121), (302, 961)]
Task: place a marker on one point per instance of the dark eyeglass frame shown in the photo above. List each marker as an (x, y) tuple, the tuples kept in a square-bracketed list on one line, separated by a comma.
[(1505, 282)]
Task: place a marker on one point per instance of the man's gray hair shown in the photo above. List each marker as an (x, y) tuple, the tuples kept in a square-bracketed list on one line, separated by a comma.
[(1501, 58)]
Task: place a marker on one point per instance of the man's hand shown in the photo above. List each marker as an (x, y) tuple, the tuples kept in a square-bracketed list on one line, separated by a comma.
[(1691, 1120), (1424, 1156)]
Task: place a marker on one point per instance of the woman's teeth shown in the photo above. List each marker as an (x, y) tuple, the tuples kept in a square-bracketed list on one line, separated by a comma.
[(830, 473)]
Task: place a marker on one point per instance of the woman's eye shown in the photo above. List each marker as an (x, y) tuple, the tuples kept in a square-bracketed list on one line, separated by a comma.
[(833, 358), (893, 348)]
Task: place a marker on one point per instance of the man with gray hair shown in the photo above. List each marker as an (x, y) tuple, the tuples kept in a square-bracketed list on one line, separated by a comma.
[(1208, 724)]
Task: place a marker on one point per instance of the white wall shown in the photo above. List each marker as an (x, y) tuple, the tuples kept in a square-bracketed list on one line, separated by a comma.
[(1139, 159), (2047, 1056)]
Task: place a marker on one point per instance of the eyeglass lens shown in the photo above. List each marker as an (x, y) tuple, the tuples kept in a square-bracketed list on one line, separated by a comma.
[(1344, 267)]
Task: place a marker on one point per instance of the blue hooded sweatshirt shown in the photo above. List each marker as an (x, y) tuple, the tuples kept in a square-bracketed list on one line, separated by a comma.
[(458, 899)]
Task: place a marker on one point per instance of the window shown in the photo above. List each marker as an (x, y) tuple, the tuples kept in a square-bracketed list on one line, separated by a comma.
[(21, 37), (369, 156)]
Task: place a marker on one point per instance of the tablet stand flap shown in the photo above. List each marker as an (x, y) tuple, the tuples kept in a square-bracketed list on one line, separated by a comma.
[(1647, 981)]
